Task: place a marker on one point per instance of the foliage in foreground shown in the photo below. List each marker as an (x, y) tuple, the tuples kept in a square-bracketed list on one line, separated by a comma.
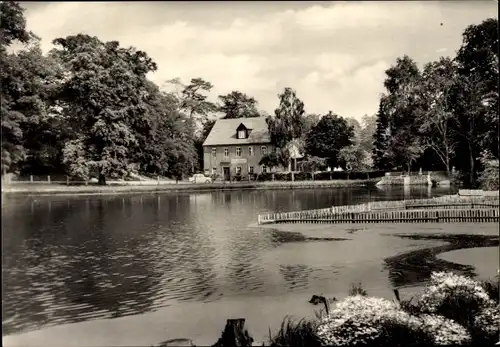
[(452, 310)]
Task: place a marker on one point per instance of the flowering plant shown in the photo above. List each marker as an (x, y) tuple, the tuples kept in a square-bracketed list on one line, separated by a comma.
[(360, 320)]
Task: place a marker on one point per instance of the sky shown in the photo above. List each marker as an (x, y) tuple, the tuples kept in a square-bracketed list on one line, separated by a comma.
[(333, 54)]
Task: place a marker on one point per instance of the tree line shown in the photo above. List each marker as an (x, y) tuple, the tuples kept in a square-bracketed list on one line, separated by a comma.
[(446, 114), (87, 109)]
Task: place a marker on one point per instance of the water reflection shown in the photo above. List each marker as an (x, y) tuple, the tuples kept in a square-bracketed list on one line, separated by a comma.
[(69, 259)]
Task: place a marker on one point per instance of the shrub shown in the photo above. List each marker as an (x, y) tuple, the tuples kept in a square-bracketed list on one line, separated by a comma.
[(490, 175), (302, 176), (302, 333), (264, 177), (465, 301), (492, 288), (360, 320), (357, 289)]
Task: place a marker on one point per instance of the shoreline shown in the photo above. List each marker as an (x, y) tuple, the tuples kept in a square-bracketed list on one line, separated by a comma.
[(59, 189)]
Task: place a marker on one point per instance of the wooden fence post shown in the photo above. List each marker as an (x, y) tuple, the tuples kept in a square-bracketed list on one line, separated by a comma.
[(31, 178), (158, 180), (67, 180), (48, 179)]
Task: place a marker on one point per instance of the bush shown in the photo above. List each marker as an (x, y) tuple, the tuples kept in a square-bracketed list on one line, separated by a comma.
[(302, 333), (319, 176), (357, 289), (490, 175), (492, 288), (464, 301), (452, 310), (303, 176), (264, 177), (360, 320)]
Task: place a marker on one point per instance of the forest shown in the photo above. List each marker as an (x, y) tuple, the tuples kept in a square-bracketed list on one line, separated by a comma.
[(87, 109)]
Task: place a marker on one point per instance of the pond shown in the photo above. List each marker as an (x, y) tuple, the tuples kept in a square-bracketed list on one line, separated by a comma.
[(140, 269)]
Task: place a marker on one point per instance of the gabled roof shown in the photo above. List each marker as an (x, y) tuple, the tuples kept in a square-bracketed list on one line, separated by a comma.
[(224, 132)]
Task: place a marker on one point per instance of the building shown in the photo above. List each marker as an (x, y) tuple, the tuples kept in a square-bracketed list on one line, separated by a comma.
[(236, 146)]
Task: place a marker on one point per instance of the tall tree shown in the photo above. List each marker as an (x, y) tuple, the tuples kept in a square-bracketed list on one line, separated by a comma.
[(368, 129), (403, 100), (355, 157), (328, 137), (168, 139), (104, 94), (26, 79), (381, 137), (436, 115), (310, 121), (476, 95), (238, 105), (194, 100), (13, 25), (287, 125)]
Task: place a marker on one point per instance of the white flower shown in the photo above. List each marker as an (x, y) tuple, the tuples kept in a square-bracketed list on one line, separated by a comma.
[(488, 320), (445, 285), (444, 331)]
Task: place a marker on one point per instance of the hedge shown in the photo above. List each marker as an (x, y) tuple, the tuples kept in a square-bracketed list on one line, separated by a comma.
[(320, 176)]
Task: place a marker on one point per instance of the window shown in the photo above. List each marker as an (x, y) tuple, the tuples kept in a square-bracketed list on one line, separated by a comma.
[(264, 169), (263, 149), (250, 151), (250, 169), (214, 152), (238, 170), (238, 151), (241, 134), (226, 152)]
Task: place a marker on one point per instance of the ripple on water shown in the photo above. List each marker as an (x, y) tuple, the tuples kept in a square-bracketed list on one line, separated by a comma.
[(108, 257)]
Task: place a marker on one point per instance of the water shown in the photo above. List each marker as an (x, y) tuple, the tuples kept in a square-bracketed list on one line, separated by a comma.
[(163, 259)]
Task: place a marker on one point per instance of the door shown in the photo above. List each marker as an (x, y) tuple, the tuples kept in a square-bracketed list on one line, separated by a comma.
[(225, 171)]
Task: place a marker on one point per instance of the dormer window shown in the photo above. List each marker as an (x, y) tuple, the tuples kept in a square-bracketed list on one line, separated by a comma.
[(242, 131)]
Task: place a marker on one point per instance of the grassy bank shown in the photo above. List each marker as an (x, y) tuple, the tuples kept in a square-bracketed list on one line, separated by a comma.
[(451, 310), (48, 189)]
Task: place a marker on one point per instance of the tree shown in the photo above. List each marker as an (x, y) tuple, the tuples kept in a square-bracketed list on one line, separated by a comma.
[(310, 121), (355, 157), (238, 105), (27, 79), (270, 160), (470, 124), (328, 137), (313, 164), (194, 102), (356, 127), (288, 121), (437, 117), (368, 129), (168, 140), (104, 98), (489, 177), (13, 25), (475, 97), (401, 103), (381, 137), (207, 126)]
